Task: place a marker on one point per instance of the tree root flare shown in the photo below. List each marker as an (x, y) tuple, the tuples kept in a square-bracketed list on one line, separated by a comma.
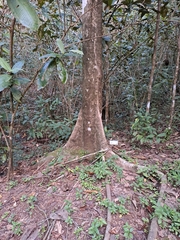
[(153, 230)]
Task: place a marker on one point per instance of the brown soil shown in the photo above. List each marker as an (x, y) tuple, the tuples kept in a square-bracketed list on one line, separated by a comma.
[(37, 197)]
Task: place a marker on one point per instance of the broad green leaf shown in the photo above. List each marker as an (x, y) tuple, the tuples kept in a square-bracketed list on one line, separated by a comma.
[(162, 134), (62, 72), (16, 94), (5, 65), (4, 81), (42, 82), (24, 12), (60, 45), (19, 80), (64, 75), (77, 51), (17, 67), (5, 50), (54, 55)]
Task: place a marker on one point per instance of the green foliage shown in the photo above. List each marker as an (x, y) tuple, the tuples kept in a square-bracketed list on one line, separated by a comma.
[(79, 194), (150, 171), (114, 167), (30, 201), (78, 231), (172, 169), (9, 79), (94, 228), (5, 65), (60, 45), (24, 12), (89, 175), (168, 218), (16, 226), (43, 77), (68, 207), (52, 129), (101, 170), (46, 124), (55, 60), (128, 231), (113, 207), (144, 201), (69, 220), (147, 179), (12, 184), (143, 131)]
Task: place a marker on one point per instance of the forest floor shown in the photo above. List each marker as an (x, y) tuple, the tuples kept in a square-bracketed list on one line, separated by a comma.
[(55, 201)]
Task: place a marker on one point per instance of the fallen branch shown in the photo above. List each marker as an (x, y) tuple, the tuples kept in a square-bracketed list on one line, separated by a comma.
[(43, 160)]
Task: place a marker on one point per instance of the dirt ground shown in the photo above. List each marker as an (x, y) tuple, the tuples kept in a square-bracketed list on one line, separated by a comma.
[(49, 201)]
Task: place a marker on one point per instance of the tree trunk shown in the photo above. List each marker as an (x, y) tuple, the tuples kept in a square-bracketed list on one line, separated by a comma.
[(88, 133)]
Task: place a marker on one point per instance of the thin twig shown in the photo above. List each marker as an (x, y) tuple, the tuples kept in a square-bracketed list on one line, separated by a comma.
[(4, 135)]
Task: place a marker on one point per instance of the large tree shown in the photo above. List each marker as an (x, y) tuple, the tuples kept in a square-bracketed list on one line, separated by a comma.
[(88, 133)]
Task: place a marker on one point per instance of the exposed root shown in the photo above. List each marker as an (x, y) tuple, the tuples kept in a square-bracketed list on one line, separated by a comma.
[(153, 230)]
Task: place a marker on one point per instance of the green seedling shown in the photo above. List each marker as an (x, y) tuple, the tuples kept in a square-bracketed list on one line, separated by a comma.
[(42, 230), (28, 179), (101, 170), (168, 218), (12, 184), (113, 207), (69, 220), (16, 226), (68, 207), (144, 201), (23, 198), (145, 220), (78, 231), (94, 228), (173, 172), (128, 231), (79, 194), (31, 200)]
